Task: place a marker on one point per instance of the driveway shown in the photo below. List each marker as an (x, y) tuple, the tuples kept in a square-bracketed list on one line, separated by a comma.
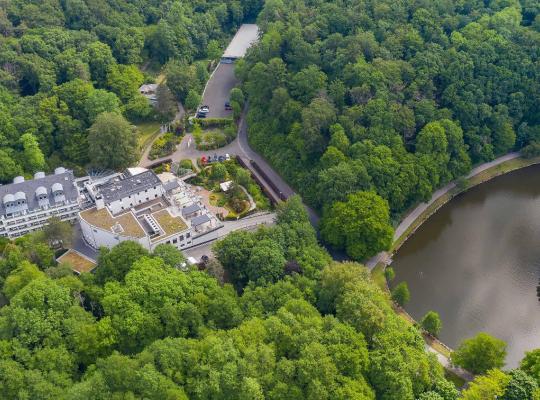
[(218, 89)]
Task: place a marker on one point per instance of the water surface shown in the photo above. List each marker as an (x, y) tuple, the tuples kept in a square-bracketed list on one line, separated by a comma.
[(477, 263)]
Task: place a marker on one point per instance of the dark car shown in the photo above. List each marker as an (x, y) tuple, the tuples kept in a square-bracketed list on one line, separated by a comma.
[(228, 106), (201, 115), (221, 158)]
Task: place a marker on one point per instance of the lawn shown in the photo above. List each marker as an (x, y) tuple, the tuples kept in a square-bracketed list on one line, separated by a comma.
[(147, 132)]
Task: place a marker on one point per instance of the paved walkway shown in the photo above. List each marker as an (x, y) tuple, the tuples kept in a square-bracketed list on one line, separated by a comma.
[(447, 364), (144, 160), (249, 223), (417, 212)]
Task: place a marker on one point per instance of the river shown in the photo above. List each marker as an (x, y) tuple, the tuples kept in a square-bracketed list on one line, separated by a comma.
[(477, 263)]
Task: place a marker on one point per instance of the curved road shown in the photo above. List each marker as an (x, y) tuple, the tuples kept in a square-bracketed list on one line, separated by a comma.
[(414, 214)]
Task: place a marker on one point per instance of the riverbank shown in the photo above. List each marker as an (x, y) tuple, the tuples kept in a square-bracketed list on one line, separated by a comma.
[(421, 213)]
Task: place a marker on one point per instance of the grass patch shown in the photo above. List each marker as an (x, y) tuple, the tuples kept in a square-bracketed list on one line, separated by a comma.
[(217, 199), (438, 346), (456, 380), (147, 133), (377, 274), (170, 225)]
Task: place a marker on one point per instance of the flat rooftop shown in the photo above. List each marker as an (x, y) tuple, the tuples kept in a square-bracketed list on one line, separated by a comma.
[(121, 187), (171, 225), (242, 41), (77, 261), (123, 224)]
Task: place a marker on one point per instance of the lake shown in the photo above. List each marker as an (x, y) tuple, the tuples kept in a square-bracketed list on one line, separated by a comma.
[(477, 263)]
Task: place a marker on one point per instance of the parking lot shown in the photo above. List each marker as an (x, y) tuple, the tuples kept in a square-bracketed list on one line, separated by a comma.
[(218, 89)]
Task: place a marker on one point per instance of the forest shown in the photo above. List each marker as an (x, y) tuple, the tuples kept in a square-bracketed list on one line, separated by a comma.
[(65, 62), (291, 324), (391, 97)]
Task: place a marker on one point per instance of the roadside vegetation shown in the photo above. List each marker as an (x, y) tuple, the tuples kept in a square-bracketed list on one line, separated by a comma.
[(370, 104), (273, 300), (67, 62)]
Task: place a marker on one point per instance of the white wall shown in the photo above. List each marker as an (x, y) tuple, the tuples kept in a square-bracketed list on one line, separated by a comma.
[(97, 237), (135, 199)]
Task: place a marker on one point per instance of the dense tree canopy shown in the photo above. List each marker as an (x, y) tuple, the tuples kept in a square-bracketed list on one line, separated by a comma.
[(66, 62), (395, 97)]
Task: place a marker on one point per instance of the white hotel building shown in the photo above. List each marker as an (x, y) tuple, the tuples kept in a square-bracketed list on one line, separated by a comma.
[(26, 206), (139, 206)]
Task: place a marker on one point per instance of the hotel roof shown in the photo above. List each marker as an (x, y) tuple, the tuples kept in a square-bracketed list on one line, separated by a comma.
[(122, 187), (36, 186)]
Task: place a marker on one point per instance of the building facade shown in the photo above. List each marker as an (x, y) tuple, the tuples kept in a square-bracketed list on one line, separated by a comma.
[(139, 206), (26, 206)]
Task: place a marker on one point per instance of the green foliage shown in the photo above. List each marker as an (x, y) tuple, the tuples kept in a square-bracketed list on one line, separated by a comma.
[(389, 274), (401, 294), (410, 95), (114, 264), (431, 322), (521, 386), (480, 354), (489, 386), (163, 146), (193, 99), (166, 105), (169, 254), (361, 225), (531, 364), (112, 142)]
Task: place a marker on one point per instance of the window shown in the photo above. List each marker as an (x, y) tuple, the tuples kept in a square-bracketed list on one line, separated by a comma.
[(148, 198), (188, 235), (175, 240), (155, 196), (181, 237)]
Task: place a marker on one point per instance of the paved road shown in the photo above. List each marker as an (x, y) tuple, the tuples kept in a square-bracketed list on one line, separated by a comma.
[(250, 223), (218, 89), (414, 214)]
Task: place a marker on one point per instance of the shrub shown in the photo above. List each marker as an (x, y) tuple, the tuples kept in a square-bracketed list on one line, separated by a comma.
[(401, 294), (432, 323), (531, 150), (389, 274), (215, 122)]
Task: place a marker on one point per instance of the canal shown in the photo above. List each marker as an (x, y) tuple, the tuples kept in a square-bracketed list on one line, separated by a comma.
[(477, 263)]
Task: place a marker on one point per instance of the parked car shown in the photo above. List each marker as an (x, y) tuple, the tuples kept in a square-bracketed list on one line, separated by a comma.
[(204, 109), (228, 106), (201, 114), (221, 158), (227, 157)]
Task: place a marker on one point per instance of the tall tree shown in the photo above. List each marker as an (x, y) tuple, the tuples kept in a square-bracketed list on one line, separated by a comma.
[(112, 142), (360, 225), (480, 353)]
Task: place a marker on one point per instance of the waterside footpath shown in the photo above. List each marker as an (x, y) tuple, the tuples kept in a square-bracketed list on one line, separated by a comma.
[(417, 216)]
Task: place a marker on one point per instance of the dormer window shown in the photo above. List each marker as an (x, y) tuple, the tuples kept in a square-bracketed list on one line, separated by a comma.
[(20, 198), (41, 193), (57, 189)]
